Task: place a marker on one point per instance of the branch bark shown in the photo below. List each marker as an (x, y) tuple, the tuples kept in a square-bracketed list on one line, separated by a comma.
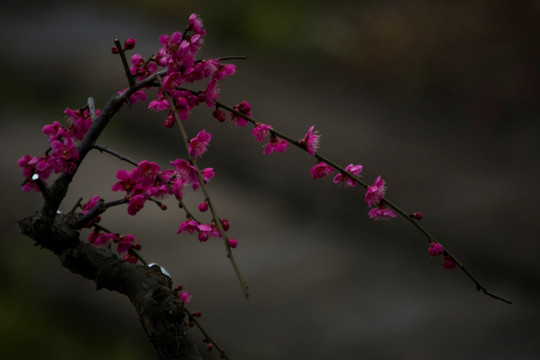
[(160, 311)]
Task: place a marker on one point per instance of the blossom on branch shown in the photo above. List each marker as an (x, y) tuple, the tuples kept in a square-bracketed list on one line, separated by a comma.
[(346, 179), (197, 145), (321, 170), (310, 141)]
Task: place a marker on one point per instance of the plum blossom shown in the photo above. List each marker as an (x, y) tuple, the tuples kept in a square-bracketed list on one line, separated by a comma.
[(345, 179), (275, 144), (124, 243), (185, 297), (125, 181), (197, 145), (310, 141), (375, 192), (321, 170), (146, 174), (244, 108), (381, 213), (195, 24), (448, 263), (261, 131), (135, 204), (205, 231), (232, 242), (435, 249), (189, 226)]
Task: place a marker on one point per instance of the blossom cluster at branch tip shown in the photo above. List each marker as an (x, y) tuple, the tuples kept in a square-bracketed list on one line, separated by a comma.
[(63, 154), (177, 56)]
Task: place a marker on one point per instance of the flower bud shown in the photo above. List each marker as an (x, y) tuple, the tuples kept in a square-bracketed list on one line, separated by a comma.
[(232, 242), (129, 44), (114, 50), (417, 215)]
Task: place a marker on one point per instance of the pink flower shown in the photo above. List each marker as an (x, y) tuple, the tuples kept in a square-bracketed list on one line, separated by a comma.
[(130, 258), (129, 44), (207, 175), (146, 173), (275, 145), (186, 171), (103, 239), (189, 226), (375, 192), (261, 131), (321, 170), (381, 213), (310, 141), (125, 183), (205, 231), (232, 242), (448, 263), (244, 108), (161, 103), (124, 243), (197, 145), (54, 130), (80, 122), (435, 249), (136, 203), (219, 115), (185, 297), (203, 206), (354, 170), (225, 224), (195, 24), (211, 93)]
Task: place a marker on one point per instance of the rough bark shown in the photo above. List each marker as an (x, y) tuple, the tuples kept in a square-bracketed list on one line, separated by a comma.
[(160, 311)]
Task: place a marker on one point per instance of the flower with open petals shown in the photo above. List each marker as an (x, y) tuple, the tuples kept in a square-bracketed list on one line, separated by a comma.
[(275, 144), (375, 192), (345, 179), (381, 213), (311, 141), (197, 145), (261, 131), (321, 170), (136, 203)]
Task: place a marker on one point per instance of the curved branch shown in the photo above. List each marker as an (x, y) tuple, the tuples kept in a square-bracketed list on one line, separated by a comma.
[(160, 311)]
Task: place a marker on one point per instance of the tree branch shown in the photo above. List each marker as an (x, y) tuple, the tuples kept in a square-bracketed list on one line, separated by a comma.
[(160, 311)]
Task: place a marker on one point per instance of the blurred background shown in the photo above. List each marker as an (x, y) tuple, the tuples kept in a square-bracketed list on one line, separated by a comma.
[(441, 98)]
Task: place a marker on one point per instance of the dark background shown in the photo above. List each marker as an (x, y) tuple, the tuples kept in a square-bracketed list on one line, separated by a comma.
[(441, 98)]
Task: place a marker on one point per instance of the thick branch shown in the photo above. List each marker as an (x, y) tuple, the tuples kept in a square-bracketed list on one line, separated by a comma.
[(159, 309)]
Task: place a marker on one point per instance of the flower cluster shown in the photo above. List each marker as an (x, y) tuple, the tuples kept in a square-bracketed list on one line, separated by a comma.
[(147, 180), (124, 243), (374, 196), (62, 156), (206, 231), (436, 249), (177, 55)]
